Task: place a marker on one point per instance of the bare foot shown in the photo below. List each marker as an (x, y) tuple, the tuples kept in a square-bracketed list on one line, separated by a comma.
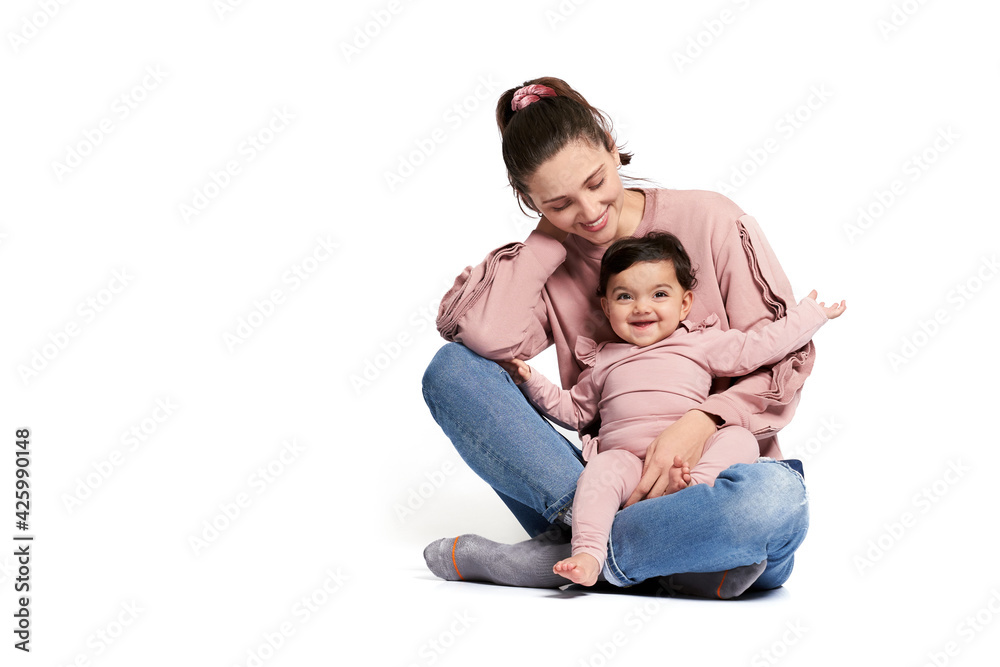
[(679, 476), (580, 569)]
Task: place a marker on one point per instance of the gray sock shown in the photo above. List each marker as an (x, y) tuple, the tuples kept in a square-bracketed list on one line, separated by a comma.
[(717, 585), (474, 558)]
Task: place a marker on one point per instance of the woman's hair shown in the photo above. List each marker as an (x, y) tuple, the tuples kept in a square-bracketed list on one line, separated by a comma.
[(538, 131), (653, 247)]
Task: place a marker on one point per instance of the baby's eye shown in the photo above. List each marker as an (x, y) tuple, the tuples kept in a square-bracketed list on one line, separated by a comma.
[(623, 297), (661, 295)]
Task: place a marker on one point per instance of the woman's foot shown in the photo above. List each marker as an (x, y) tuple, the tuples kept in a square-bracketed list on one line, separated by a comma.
[(474, 558), (580, 569)]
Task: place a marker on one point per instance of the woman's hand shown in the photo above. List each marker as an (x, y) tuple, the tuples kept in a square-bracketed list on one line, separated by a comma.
[(518, 370), (685, 438), (547, 228)]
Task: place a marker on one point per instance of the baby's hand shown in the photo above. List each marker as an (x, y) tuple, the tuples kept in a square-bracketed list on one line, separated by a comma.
[(832, 312), (518, 370)]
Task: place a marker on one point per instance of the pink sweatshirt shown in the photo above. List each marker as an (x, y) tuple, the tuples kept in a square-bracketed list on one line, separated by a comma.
[(526, 296), (639, 391)]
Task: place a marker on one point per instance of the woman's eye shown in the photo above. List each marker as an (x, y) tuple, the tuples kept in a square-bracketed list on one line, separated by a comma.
[(594, 187), (561, 208)]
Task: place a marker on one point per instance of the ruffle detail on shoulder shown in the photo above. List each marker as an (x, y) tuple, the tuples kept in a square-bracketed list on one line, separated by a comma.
[(586, 351), (707, 323), (468, 288)]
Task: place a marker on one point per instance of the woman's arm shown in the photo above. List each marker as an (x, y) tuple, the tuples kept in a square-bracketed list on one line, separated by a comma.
[(756, 291), (499, 309)]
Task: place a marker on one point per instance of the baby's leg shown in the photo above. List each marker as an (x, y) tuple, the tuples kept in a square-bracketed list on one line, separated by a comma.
[(729, 445), (607, 481)]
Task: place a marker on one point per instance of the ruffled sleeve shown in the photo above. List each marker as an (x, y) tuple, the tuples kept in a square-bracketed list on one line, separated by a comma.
[(711, 321), (499, 309), (586, 351)]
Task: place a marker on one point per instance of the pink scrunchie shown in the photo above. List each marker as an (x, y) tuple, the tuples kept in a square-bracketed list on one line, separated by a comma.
[(528, 94)]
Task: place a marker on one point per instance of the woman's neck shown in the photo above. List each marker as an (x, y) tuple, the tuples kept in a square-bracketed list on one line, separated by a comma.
[(635, 206)]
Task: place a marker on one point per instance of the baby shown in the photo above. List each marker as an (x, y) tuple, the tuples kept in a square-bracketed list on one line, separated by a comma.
[(664, 368)]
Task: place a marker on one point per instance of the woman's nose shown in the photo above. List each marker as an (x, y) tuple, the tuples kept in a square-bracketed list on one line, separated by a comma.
[(592, 209)]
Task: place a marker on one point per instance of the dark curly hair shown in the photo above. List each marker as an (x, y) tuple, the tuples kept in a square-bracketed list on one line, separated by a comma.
[(653, 247)]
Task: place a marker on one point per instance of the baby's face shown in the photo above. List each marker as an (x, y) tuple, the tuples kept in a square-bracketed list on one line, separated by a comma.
[(645, 303)]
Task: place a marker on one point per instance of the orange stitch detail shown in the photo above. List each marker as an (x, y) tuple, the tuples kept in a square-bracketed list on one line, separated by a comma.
[(718, 591), (455, 563)]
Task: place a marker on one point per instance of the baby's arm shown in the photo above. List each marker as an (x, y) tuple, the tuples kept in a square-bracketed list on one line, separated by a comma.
[(573, 408), (734, 353)]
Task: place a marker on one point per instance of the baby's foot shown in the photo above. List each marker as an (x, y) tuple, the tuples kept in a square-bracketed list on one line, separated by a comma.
[(580, 569), (679, 476)]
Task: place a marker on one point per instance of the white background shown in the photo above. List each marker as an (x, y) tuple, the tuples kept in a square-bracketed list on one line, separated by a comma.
[(901, 552)]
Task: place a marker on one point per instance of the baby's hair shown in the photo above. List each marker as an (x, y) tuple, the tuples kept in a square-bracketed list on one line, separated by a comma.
[(653, 247)]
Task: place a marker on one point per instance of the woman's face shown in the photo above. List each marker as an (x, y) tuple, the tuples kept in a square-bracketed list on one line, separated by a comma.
[(579, 191)]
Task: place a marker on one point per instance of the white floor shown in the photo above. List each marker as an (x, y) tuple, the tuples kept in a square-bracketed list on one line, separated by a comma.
[(223, 239)]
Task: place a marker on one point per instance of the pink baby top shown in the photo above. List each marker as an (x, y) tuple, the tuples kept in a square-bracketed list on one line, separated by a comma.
[(526, 296), (639, 391)]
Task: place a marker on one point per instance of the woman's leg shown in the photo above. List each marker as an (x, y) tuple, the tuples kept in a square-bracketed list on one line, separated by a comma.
[(530, 465), (755, 512)]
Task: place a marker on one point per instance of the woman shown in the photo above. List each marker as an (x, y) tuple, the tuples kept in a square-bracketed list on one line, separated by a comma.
[(562, 163)]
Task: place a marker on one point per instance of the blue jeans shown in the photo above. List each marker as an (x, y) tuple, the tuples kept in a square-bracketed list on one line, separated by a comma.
[(754, 512)]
